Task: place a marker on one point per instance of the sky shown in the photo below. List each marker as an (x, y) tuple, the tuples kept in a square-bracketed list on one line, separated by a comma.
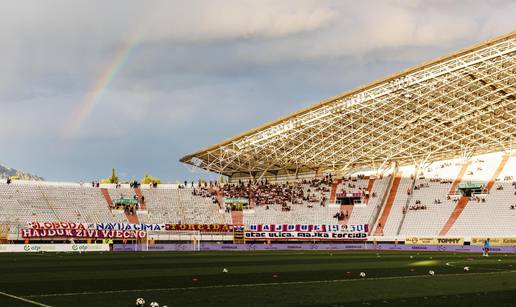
[(135, 85)]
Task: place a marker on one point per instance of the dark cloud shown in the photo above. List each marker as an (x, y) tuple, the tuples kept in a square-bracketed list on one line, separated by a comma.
[(200, 71)]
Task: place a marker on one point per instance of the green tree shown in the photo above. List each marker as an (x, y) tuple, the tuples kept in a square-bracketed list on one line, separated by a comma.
[(113, 179), (149, 179)]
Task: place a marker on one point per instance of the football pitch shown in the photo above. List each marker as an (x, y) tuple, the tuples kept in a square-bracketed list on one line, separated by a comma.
[(276, 278)]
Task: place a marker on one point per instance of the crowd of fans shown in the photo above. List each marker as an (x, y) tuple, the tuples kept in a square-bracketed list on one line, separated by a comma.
[(418, 207), (265, 193), (353, 186)]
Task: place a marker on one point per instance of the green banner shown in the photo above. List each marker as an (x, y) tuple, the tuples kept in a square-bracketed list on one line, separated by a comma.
[(125, 201), (470, 186)]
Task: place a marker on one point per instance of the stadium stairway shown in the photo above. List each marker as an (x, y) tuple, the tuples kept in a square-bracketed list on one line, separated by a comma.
[(333, 193), (133, 219), (220, 199), (349, 208), (497, 173), (346, 209), (252, 203), (107, 197), (388, 205), (461, 204), (370, 184), (237, 217), (138, 193), (458, 180), (463, 201)]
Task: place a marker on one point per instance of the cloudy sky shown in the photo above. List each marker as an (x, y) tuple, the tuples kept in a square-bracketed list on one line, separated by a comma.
[(94, 84)]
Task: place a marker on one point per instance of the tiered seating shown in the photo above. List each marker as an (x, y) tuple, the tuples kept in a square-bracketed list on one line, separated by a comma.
[(491, 214), (78, 204), (179, 205), (21, 204), (364, 214), (435, 183), (482, 169), (299, 214), (428, 222), (25, 202), (305, 213), (490, 218), (387, 207), (352, 186), (488, 215), (390, 227)]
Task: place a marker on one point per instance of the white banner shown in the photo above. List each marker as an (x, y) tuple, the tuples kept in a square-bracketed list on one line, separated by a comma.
[(126, 226), (34, 248), (309, 227), (294, 235)]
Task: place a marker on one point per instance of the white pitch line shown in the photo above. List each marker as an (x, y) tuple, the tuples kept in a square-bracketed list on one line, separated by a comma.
[(24, 299), (262, 284), (452, 264)]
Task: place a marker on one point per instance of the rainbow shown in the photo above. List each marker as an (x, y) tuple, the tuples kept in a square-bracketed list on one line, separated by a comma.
[(98, 88)]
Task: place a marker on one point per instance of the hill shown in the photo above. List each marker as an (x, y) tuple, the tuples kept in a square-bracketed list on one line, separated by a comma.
[(8, 172)]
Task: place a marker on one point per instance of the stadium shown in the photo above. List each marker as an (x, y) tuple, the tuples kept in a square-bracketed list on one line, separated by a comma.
[(385, 194)]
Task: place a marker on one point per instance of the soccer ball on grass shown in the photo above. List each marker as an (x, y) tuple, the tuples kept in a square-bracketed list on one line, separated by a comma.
[(154, 304), (362, 274), (140, 302), (431, 272)]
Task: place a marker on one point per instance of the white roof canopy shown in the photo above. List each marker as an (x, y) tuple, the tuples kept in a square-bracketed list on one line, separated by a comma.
[(460, 103)]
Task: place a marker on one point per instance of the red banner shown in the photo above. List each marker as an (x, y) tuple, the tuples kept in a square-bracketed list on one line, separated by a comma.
[(200, 227), (82, 233), (309, 227)]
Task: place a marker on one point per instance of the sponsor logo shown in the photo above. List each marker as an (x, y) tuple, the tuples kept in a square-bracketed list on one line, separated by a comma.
[(31, 248), (455, 241)]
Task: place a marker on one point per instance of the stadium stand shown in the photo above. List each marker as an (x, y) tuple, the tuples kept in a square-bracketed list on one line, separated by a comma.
[(174, 205), (431, 190), (420, 203), (438, 117), (365, 214), (428, 151)]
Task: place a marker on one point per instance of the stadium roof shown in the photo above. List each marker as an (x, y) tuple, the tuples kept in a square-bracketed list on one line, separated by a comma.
[(460, 104)]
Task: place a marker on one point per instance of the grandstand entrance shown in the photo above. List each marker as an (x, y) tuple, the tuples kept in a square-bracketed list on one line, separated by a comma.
[(349, 198), (236, 204), (468, 189), (129, 205)]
